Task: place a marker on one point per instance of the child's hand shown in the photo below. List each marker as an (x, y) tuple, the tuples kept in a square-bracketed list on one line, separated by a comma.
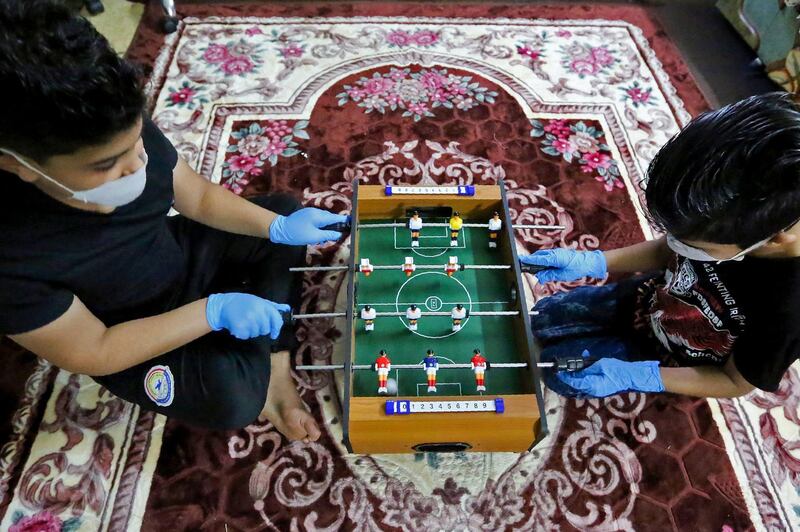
[(304, 227), (609, 376), (567, 264), (245, 315)]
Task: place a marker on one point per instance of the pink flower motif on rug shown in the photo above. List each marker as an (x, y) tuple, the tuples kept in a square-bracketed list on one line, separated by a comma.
[(577, 142), (234, 58), (43, 522), (250, 146), (187, 95), (587, 60), (638, 95), (292, 49), (402, 38), (415, 93)]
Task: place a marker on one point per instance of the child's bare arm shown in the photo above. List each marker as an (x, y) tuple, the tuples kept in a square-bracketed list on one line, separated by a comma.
[(706, 381), (642, 257)]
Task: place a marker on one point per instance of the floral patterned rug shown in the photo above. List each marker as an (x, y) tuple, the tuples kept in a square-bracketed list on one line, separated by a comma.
[(568, 104)]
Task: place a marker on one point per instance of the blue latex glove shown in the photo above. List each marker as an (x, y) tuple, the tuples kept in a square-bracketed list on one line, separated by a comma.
[(303, 227), (567, 264), (245, 315), (609, 376)]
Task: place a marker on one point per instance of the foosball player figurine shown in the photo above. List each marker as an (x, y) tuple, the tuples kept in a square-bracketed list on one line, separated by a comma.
[(479, 366), (415, 225), (409, 266), (413, 313), (368, 315), (455, 226), (451, 267), (366, 268), (383, 366), (495, 224), (458, 314), (431, 364)]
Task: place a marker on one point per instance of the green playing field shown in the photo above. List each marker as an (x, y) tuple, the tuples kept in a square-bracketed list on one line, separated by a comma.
[(433, 290)]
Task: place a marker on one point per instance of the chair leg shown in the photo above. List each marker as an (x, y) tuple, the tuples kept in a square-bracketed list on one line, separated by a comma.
[(170, 22)]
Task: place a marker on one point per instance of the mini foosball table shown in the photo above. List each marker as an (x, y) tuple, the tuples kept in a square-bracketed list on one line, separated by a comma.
[(441, 355)]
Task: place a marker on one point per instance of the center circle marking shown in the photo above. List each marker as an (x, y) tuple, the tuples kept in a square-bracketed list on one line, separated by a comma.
[(418, 276), (434, 303)]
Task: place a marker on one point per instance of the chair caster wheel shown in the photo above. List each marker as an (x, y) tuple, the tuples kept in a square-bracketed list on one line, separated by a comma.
[(94, 7), (169, 24)]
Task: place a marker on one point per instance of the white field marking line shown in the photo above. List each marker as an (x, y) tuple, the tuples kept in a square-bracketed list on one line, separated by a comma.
[(397, 303), (439, 384)]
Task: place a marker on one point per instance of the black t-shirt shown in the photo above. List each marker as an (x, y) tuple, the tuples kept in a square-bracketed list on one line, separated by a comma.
[(704, 313), (122, 265)]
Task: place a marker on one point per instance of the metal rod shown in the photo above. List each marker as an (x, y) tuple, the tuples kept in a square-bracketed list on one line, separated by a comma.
[(441, 224), (362, 367), (400, 267), (319, 268), (395, 314), (319, 315), (437, 313)]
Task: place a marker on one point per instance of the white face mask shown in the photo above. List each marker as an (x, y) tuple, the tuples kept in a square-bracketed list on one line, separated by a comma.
[(112, 194), (694, 253)]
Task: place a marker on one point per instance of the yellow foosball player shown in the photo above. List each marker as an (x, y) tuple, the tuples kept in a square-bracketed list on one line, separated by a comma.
[(455, 227)]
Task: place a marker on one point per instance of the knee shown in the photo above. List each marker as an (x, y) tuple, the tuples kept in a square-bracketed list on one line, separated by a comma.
[(235, 394), (281, 203), (233, 411)]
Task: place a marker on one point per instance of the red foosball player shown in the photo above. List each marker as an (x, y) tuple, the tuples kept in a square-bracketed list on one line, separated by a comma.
[(409, 266), (383, 366), (479, 366), (415, 225), (431, 364), (366, 268), (451, 267), (495, 224)]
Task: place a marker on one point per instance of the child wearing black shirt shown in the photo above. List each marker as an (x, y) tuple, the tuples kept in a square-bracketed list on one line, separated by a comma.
[(721, 316)]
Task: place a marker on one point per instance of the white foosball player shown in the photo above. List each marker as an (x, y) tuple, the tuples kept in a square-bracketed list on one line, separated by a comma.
[(409, 267), (495, 224), (451, 267), (459, 314), (366, 268), (415, 225), (413, 313), (368, 315)]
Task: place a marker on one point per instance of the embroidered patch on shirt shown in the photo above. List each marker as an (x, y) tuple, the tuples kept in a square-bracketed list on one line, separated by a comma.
[(159, 385)]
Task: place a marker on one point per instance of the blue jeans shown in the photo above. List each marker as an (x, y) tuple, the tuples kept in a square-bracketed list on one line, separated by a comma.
[(597, 318)]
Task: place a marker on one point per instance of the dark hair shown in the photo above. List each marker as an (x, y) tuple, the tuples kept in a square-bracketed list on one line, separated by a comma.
[(732, 176), (62, 86)]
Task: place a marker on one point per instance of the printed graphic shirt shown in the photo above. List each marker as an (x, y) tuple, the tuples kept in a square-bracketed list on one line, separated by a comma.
[(703, 313)]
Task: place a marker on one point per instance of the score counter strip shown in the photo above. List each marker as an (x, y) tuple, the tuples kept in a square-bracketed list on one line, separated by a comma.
[(429, 407), (465, 190)]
